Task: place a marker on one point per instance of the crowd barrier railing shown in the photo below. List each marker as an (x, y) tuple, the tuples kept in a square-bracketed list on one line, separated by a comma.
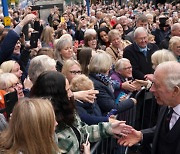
[(142, 115)]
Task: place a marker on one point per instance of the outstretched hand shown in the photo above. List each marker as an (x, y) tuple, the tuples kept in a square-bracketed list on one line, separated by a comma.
[(87, 95), (119, 129), (27, 19), (131, 139)]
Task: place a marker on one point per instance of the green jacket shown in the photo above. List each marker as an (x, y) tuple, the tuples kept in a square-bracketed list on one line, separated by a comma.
[(68, 142)]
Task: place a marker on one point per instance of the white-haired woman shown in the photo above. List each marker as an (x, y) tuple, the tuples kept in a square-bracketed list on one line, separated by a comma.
[(64, 49)]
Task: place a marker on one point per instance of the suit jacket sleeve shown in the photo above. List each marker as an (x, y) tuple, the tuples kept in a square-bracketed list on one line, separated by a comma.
[(148, 134)]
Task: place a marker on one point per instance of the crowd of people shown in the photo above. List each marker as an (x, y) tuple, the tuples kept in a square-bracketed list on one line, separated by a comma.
[(80, 68)]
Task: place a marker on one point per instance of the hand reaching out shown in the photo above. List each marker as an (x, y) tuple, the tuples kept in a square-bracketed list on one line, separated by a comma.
[(131, 139), (120, 129), (88, 95)]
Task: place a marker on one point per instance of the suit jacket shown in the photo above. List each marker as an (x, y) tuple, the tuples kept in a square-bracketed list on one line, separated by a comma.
[(141, 64), (153, 134)]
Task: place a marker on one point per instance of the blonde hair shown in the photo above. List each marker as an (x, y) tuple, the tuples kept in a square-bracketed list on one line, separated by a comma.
[(31, 128), (7, 80), (46, 35), (8, 66), (162, 56), (68, 64), (81, 82), (173, 41), (100, 63), (112, 33), (62, 42)]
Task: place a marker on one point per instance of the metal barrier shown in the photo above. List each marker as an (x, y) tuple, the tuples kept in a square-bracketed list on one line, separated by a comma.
[(109, 145), (142, 115)]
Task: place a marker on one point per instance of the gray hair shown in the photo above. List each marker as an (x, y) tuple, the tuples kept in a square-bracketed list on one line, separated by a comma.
[(171, 70), (63, 41), (90, 32), (120, 64), (100, 63), (7, 80), (161, 56), (140, 30), (40, 64)]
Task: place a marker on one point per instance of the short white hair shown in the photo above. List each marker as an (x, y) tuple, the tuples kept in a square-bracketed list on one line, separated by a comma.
[(140, 30), (119, 65), (40, 64), (171, 70)]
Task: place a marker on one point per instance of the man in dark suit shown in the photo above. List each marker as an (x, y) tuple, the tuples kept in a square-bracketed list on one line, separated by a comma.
[(139, 53), (165, 136)]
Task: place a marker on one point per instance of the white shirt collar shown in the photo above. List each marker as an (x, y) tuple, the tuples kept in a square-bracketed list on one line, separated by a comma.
[(177, 109)]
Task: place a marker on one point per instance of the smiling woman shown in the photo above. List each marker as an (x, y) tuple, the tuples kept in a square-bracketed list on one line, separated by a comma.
[(71, 68), (11, 66), (90, 38), (9, 82), (64, 48)]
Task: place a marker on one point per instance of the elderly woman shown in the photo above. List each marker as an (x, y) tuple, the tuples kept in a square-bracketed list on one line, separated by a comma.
[(123, 74), (64, 49), (174, 46), (115, 50), (99, 67), (9, 82)]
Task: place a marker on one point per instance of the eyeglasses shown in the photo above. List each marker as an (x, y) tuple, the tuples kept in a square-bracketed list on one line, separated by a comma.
[(75, 72), (127, 68)]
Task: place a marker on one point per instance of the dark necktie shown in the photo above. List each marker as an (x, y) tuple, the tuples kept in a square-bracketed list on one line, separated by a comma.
[(168, 118)]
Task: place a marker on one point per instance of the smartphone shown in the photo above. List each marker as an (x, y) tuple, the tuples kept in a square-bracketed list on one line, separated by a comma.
[(34, 39), (62, 20), (86, 138), (10, 100)]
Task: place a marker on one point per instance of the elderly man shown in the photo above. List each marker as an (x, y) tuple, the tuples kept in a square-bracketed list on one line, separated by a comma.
[(139, 53), (166, 134)]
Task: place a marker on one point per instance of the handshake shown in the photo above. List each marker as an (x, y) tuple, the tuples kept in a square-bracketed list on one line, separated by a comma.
[(126, 135)]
